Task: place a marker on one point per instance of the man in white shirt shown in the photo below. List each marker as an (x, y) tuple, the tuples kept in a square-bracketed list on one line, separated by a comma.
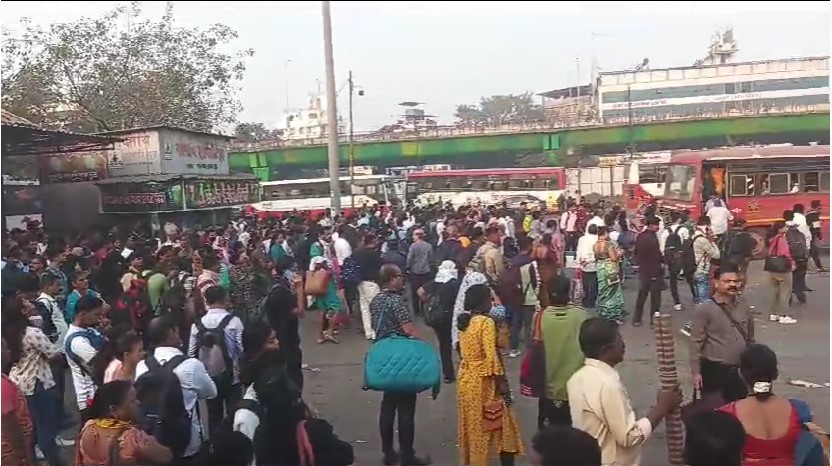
[(439, 230), (341, 245), (720, 217), (83, 342), (672, 255), (244, 237), (194, 379), (797, 220), (50, 311), (599, 403), (585, 257), (568, 220), (595, 220), (800, 222), (229, 390)]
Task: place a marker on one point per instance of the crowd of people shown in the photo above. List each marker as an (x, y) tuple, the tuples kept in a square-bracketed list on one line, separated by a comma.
[(184, 348)]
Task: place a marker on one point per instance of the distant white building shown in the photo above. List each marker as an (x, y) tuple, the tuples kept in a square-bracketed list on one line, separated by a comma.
[(793, 85), (309, 122)]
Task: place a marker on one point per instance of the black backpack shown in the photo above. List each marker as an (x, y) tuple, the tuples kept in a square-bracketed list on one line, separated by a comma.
[(212, 349), (797, 244), (739, 244), (162, 404), (434, 314), (173, 300), (673, 245), (687, 257)]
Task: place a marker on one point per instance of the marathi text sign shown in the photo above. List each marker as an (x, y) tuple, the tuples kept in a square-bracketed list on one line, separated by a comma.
[(200, 194), (73, 168), (141, 197)]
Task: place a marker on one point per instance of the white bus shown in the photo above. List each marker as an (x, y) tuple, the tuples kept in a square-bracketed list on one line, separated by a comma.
[(313, 195)]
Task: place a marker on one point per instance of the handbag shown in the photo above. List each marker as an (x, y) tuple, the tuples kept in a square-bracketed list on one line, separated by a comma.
[(317, 282), (492, 415), (775, 263), (401, 364)]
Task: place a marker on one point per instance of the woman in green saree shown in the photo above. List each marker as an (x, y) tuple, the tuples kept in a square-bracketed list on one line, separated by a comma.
[(610, 294)]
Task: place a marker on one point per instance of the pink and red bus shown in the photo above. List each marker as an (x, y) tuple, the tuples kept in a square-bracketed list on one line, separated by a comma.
[(758, 183)]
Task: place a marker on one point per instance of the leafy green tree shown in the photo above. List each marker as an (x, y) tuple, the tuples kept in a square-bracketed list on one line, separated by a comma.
[(98, 74), (500, 110), (254, 132)]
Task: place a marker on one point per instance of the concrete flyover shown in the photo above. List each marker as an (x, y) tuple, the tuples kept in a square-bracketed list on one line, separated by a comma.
[(536, 146)]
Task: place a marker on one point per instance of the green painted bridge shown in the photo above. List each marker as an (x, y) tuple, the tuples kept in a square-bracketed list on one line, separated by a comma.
[(561, 147)]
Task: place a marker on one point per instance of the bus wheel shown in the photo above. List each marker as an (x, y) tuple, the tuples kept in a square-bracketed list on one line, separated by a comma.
[(759, 235)]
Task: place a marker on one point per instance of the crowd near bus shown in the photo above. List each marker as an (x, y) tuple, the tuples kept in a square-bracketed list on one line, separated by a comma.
[(183, 346)]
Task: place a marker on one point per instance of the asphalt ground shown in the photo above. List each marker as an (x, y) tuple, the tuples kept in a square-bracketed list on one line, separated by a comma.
[(335, 373)]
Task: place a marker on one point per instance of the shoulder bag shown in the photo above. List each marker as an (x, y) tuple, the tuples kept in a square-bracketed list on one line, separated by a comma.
[(775, 263), (401, 364)]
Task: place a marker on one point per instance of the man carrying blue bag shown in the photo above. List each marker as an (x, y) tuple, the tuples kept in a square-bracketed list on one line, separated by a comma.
[(400, 365)]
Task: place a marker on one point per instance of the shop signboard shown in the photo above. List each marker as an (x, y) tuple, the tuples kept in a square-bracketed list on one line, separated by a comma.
[(73, 168), (136, 154), (202, 194), (141, 197), (187, 153)]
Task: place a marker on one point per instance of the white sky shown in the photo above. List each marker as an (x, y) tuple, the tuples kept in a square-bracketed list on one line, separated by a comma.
[(450, 53)]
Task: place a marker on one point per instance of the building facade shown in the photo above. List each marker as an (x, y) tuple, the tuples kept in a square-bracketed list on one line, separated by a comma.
[(569, 106), (764, 87), (309, 122)]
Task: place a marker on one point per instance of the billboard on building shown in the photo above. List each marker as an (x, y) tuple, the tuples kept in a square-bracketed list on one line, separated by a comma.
[(167, 151), (141, 197), (73, 167)]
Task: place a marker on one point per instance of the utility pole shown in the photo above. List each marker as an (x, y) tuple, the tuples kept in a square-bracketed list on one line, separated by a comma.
[(631, 145), (332, 112), (578, 87), (286, 71), (352, 146)]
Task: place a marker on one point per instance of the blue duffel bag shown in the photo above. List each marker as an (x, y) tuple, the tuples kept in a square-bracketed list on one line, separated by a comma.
[(401, 364)]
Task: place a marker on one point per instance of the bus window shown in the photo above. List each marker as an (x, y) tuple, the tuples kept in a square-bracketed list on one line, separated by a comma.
[(823, 184), (778, 183), (680, 182), (517, 182), (478, 184), (741, 185), (811, 182)]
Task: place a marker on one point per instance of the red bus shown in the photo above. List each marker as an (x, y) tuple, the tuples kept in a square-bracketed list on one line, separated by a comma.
[(758, 183), (493, 186)]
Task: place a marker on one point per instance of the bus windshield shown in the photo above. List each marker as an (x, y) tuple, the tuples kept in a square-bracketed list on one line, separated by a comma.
[(680, 182)]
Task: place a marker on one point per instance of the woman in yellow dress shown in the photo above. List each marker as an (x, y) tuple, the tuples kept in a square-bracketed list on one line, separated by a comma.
[(485, 419)]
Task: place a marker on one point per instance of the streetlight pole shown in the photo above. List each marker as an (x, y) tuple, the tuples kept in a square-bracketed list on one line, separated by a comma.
[(286, 71), (578, 87), (631, 145), (332, 112), (352, 146)]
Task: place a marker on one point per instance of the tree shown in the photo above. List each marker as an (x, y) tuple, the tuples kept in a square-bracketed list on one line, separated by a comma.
[(255, 132), (500, 110), (92, 75)]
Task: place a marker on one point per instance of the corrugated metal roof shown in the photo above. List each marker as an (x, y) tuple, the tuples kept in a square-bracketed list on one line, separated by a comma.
[(161, 178), (10, 119), (158, 127), (21, 137)]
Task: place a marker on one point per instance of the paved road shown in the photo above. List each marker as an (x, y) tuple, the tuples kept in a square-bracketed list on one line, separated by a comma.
[(334, 388), (334, 377)]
